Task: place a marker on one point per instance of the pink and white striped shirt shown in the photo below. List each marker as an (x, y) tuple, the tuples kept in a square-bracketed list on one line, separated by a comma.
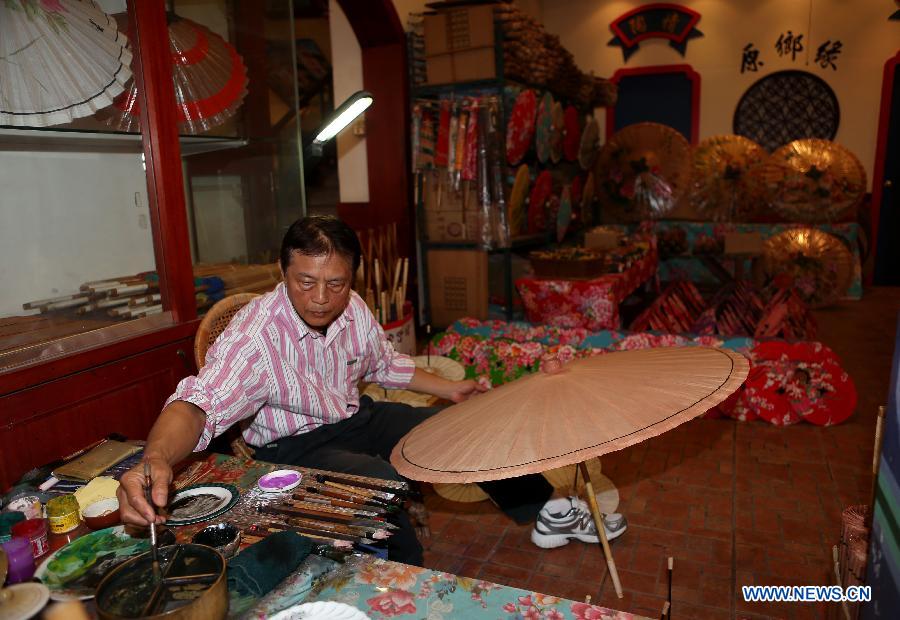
[(269, 364)]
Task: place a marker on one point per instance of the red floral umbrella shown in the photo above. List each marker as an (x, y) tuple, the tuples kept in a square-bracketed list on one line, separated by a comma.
[(470, 158), (834, 395), (520, 129), (537, 202), (210, 80), (763, 397)]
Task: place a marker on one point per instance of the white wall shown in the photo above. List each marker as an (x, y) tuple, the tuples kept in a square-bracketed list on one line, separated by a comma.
[(868, 38), (348, 78), (66, 218)]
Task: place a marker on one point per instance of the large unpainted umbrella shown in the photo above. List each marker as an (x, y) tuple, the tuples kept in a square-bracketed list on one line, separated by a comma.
[(59, 61), (570, 414)]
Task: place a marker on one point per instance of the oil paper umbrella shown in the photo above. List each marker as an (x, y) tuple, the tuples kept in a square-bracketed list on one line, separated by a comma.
[(815, 264), (572, 136), (538, 203), (557, 133), (569, 414), (564, 215), (642, 171), (587, 146), (520, 129), (544, 128), (209, 75), (59, 61), (518, 221), (812, 180), (719, 184)]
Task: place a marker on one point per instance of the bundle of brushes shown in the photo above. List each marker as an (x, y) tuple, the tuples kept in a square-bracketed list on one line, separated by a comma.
[(383, 274)]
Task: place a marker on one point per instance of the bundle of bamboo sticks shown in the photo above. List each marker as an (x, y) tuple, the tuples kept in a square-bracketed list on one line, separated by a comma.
[(125, 297), (241, 278), (383, 274)]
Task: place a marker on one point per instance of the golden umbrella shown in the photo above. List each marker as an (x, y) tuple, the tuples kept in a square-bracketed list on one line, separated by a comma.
[(815, 264), (813, 180), (585, 409), (719, 186), (642, 171)]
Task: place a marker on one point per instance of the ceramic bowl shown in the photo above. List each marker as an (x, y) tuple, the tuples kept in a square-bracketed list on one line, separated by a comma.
[(223, 537), (102, 514)]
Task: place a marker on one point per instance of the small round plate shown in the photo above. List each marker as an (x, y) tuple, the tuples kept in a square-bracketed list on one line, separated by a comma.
[(23, 600), (73, 571), (280, 480), (320, 610), (201, 502)]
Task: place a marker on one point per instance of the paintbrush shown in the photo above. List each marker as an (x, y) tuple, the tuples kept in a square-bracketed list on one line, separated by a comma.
[(312, 532), (669, 602), (316, 515), (388, 486), (356, 531), (336, 510), (322, 496), (154, 552), (380, 498)]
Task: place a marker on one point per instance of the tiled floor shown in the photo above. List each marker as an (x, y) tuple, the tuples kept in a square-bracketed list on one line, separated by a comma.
[(735, 503)]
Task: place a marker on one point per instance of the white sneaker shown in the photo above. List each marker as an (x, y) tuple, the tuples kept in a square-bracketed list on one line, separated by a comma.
[(561, 520)]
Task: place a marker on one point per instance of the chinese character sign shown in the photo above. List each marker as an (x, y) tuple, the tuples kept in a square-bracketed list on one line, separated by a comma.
[(827, 53), (661, 21), (788, 46), (750, 59)]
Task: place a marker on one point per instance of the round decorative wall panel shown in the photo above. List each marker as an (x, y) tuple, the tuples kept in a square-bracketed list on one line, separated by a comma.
[(786, 106)]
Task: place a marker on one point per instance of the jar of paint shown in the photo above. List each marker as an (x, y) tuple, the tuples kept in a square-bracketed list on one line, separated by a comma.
[(21, 562), (7, 521), (35, 531), (64, 515), (25, 500)]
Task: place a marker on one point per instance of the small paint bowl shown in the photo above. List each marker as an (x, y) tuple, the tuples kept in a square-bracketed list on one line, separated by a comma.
[(102, 514), (280, 480), (223, 537)]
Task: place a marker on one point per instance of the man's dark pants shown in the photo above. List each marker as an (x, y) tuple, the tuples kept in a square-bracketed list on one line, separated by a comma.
[(362, 445)]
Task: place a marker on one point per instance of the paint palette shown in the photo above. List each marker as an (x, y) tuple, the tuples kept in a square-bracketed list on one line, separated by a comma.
[(201, 502), (280, 480)]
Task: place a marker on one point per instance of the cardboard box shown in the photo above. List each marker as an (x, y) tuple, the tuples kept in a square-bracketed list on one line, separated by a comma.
[(459, 29), (462, 66), (743, 243), (457, 285)]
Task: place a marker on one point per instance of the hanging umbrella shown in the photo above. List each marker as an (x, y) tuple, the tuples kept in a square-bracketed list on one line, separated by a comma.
[(209, 75), (564, 215), (59, 61), (544, 128), (572, 136), (719, 187), (587, 146), (585, 409), (642, 171), (520, 128), (557, 133), (815, 264), (518, 221), (538, 203), (587, 200), (814, 181)]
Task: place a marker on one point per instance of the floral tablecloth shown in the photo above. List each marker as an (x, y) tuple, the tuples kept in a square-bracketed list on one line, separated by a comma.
[(384, 589), (591, 304), (704, 234)]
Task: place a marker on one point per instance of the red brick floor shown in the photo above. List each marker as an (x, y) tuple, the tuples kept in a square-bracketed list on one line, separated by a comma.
[(734, 503)]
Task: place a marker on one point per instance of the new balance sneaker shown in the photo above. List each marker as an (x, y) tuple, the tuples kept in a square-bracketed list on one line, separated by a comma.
[(561, 520)]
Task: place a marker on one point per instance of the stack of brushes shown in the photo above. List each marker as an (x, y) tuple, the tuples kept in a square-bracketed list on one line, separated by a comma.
[(383, 274), (331, 509)]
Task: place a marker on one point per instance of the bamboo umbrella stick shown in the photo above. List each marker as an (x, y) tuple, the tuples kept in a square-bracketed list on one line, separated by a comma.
[(601, 530), (377, 280), (33, 305), (405, 277), (396, 279), (59, 305)]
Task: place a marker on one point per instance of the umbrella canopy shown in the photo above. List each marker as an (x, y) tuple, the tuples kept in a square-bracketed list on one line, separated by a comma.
[(815, 264), (59, 61), (210, 81), (590, 407), (812, 180), (642, 171), (544, 128), (719, 187), (520, 129)]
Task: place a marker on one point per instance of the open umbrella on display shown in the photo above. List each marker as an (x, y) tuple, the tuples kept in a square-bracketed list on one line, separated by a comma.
[(813, 180), (518, 220), (817, 265), (538, 202), (572, 133), (569, 414), (59, 60), (587, 145), (719, 186), (642, 171), (520, 128), (564, 215), (544, 128), (209, 75), (557, 133)]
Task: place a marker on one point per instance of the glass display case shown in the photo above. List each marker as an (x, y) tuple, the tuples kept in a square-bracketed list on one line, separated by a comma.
[(99, 244)]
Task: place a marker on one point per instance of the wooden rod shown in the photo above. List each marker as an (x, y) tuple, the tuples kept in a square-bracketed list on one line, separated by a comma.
[(601, 530)]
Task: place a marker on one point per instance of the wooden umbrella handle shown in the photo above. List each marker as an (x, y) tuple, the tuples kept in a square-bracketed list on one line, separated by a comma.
[(601, 530)]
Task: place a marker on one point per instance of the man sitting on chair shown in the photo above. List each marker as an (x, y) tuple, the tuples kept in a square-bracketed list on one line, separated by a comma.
[(291, 361)]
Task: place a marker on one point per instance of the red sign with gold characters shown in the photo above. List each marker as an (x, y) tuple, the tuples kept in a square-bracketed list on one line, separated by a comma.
[(655, 21)]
